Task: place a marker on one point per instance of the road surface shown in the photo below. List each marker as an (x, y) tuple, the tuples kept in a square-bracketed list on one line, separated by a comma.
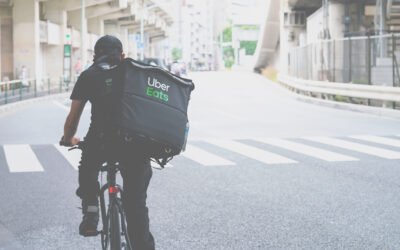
[(262, 171)]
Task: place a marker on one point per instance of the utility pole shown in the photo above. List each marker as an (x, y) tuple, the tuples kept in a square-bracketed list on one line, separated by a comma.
[(83, 33), (221, 41), (325, 4), (141, 35), (383, 27)]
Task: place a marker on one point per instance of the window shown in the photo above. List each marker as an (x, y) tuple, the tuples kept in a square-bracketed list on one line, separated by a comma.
[(294, 18)]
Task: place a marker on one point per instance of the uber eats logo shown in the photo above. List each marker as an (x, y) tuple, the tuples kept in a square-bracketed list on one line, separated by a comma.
[(109, 82), (157, 89)]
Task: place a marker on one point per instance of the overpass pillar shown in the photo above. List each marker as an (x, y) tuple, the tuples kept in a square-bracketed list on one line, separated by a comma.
[(75, 20), (96, 26), (289, 36), (112, 28), (26, 37), (124, 40), (55, 53)]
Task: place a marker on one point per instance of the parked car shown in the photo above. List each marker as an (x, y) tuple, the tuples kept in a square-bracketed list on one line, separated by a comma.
[(176, 68)]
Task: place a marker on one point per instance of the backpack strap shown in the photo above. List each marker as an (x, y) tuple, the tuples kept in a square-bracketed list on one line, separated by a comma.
[(162, 161)]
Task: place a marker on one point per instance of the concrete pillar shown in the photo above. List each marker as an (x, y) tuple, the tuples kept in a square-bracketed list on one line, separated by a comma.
[(26, 37), (75, 20), (124, 40), (55, 53), (289, 38), (6, 44), (112, 28), (96, 26)]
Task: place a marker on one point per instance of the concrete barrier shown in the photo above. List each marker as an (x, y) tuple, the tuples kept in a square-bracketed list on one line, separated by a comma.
[(382, 93)]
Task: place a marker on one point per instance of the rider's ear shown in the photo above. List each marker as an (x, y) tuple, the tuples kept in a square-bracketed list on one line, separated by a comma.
[(123, 56)]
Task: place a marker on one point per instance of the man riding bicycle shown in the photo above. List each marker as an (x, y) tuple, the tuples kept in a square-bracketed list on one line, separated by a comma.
[(97, 85)]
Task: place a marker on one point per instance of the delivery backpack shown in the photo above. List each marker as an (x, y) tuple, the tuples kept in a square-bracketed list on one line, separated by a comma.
[(152, 111)]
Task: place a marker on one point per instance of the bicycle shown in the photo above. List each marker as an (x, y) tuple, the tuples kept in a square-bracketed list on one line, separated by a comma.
[(114, 235)]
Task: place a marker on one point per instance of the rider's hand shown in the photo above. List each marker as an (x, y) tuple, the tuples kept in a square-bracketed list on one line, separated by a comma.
[(74, 141)]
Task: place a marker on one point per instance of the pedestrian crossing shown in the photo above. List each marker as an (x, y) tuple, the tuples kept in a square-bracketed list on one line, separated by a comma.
[(21, 158)]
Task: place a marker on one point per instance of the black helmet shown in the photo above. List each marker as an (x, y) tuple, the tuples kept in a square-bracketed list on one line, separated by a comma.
[(108, 49), (108, 45)]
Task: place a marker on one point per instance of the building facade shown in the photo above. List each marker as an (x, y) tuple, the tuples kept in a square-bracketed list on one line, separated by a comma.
[(54, 38)]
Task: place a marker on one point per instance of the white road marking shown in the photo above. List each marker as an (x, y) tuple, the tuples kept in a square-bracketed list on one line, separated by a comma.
[(307, 150), (73, 156), (251, 152), (380, 152), (21, 158), (378, 139), (205, 158), (61, 105), (88, 107)]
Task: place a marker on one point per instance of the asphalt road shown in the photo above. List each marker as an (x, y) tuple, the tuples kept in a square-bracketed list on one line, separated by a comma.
[(262, 171)]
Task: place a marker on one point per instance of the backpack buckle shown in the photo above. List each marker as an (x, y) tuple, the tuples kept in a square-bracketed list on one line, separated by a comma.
[(128, 138)]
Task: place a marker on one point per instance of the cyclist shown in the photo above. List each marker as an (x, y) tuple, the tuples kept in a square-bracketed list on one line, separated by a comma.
[(94, 85)]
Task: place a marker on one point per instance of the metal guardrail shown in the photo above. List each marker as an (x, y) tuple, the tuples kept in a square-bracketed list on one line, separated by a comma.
[(17, 90), (368, 92), (371, 60)]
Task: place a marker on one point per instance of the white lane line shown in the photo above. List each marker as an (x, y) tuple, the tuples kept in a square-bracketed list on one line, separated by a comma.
[(251, 152), (88, 107), (380, 152), (21, 158), (378, 139), (73, 156), (205, 158), (61, 105), (307, 150)]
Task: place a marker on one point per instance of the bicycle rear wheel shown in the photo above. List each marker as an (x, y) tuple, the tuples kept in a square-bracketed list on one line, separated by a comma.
[(115, 235), (115, 230)]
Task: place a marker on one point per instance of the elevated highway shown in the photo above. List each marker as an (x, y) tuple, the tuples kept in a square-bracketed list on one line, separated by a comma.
[(267, 47)]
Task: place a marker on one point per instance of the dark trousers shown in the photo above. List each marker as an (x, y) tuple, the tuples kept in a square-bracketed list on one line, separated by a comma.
[(136, 173)]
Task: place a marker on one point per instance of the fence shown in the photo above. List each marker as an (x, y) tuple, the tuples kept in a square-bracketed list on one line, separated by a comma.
[(372, 60), (16, 90)]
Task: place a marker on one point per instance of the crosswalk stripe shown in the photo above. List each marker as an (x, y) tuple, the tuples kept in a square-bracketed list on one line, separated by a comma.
[(21, 158), (380, 152), (307, 150), (205, 158), (378, 139), (73, 156), (251, 152)]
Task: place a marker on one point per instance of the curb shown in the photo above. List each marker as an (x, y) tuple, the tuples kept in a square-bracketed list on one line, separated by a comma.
[(15, 105), (381, 112)]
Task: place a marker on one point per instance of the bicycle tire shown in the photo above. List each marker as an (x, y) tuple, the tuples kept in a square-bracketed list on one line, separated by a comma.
[(126, 245), (115, 230)]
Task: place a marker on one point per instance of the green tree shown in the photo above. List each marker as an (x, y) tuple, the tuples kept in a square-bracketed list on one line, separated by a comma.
[(229, 56), (249, 46), (176, 54)]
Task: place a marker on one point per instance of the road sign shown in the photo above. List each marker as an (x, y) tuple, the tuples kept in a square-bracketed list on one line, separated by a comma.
[(140, 45)]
